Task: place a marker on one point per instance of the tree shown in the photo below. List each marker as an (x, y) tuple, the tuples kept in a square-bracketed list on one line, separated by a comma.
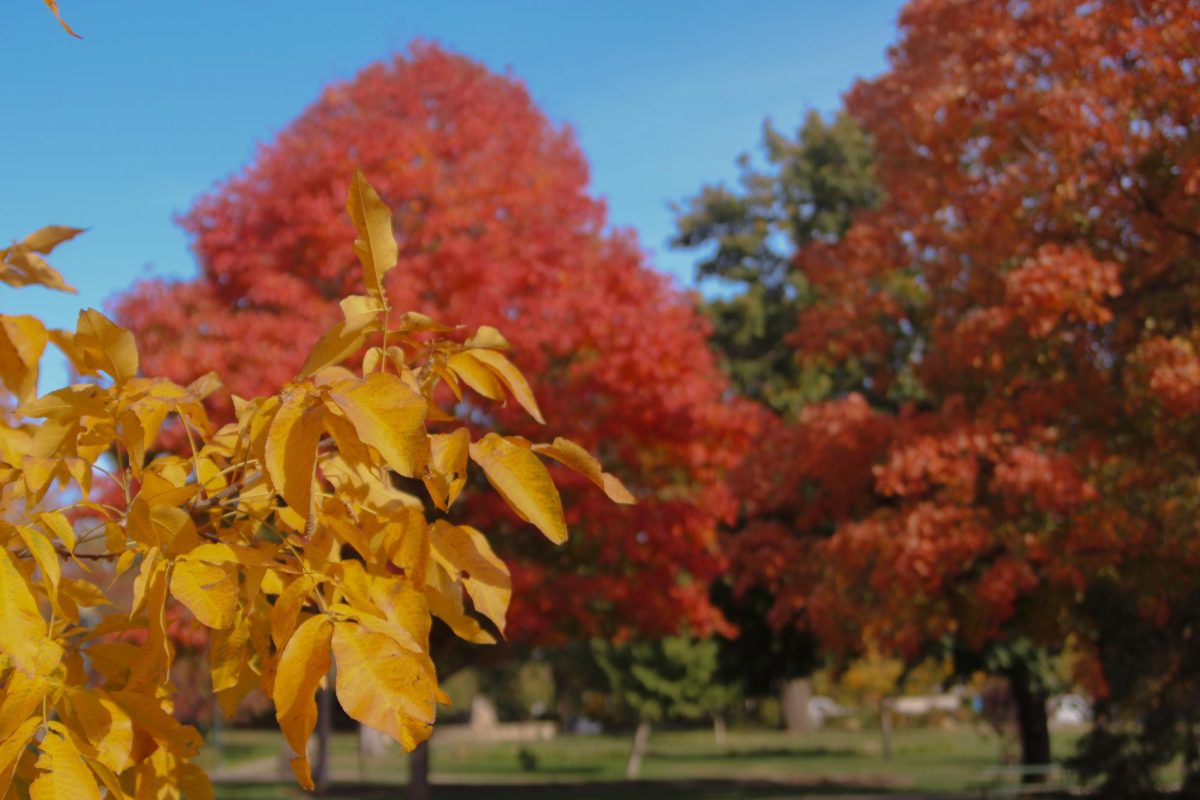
[(281, 531), (1029, 282), (669, 678), (807, 193), (494, 223)]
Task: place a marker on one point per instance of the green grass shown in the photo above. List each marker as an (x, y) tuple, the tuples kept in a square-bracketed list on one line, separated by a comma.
[(678, 765)]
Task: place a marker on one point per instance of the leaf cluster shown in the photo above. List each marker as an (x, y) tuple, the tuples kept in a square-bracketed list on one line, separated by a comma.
[(283, 532)]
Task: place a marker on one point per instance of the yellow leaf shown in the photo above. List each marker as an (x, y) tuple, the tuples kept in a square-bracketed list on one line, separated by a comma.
[(205, 385), (83, 592), (22, 627), (68, 403), (388, 416), (507, 372), (226, 652), (38, 472), (19, 699), (44, 240), (57, 523), (334, 346), (375, 245), (524, 483), (157, 490), (106, 725), (193, 781), (43, 553), (567, 452), (444, 596), (153, 660), (475, 374), (149, 718), (362, 313), (53, 6), (209, 592), (161, 526), (383, 685), (448, 466), (302, 665), (106, 346), (11, 749), (404, 541), (416, 322), (291, 453), (286, 611), (466, 555), (64, 774), (22, 342), (488, 337)]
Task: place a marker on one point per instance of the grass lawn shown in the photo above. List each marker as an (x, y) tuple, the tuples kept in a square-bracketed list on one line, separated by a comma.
[(678, 765)]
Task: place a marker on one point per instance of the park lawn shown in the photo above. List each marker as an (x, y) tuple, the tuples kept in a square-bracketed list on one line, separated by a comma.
[(678, 764)]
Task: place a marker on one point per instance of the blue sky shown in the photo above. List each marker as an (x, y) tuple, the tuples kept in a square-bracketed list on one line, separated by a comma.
[(122, 130)]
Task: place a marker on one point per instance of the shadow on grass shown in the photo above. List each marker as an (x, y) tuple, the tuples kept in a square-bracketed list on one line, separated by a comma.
[(766, 752), (715, 789)]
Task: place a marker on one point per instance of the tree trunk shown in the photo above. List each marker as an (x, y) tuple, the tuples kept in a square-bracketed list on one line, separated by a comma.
[(719, 729), (796, 695), (634, 767), (1033, 725), (324, 732), (418, 772)]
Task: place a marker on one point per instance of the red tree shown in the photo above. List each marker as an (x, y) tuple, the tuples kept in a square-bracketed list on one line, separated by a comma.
[(495, 225), (1029, 284)]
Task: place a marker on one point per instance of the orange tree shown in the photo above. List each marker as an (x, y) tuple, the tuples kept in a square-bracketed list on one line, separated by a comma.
[(1024, 295), (494, 222), (281, 531)]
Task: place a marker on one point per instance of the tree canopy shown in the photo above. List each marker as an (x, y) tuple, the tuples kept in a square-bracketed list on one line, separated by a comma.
[(1022, 295), (494, 222)]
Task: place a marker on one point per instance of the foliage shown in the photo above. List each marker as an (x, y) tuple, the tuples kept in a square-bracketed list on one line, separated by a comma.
[(669, 678), (281, 531), (1147, 718), (494, 222), (1026, 289), (807, 193)]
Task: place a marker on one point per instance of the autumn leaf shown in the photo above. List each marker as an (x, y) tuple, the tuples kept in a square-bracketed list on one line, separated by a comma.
[(106, 725), (524, 483), (107, 347), (208, 591), (22, 627), (302, 665), (388, 416), (512, 378), (291, 451), (375, 245), (11, 748), (53, 6), (63, 774), (22, 342), (567, 452), (466, 554), (383, 685), (448, 466)]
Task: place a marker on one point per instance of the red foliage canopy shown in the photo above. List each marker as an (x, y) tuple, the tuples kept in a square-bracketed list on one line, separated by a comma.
[(495, 225), (1031, 279)]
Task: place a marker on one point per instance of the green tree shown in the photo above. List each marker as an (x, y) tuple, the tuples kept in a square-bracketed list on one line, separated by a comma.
[(807, 191), (670, 678)]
